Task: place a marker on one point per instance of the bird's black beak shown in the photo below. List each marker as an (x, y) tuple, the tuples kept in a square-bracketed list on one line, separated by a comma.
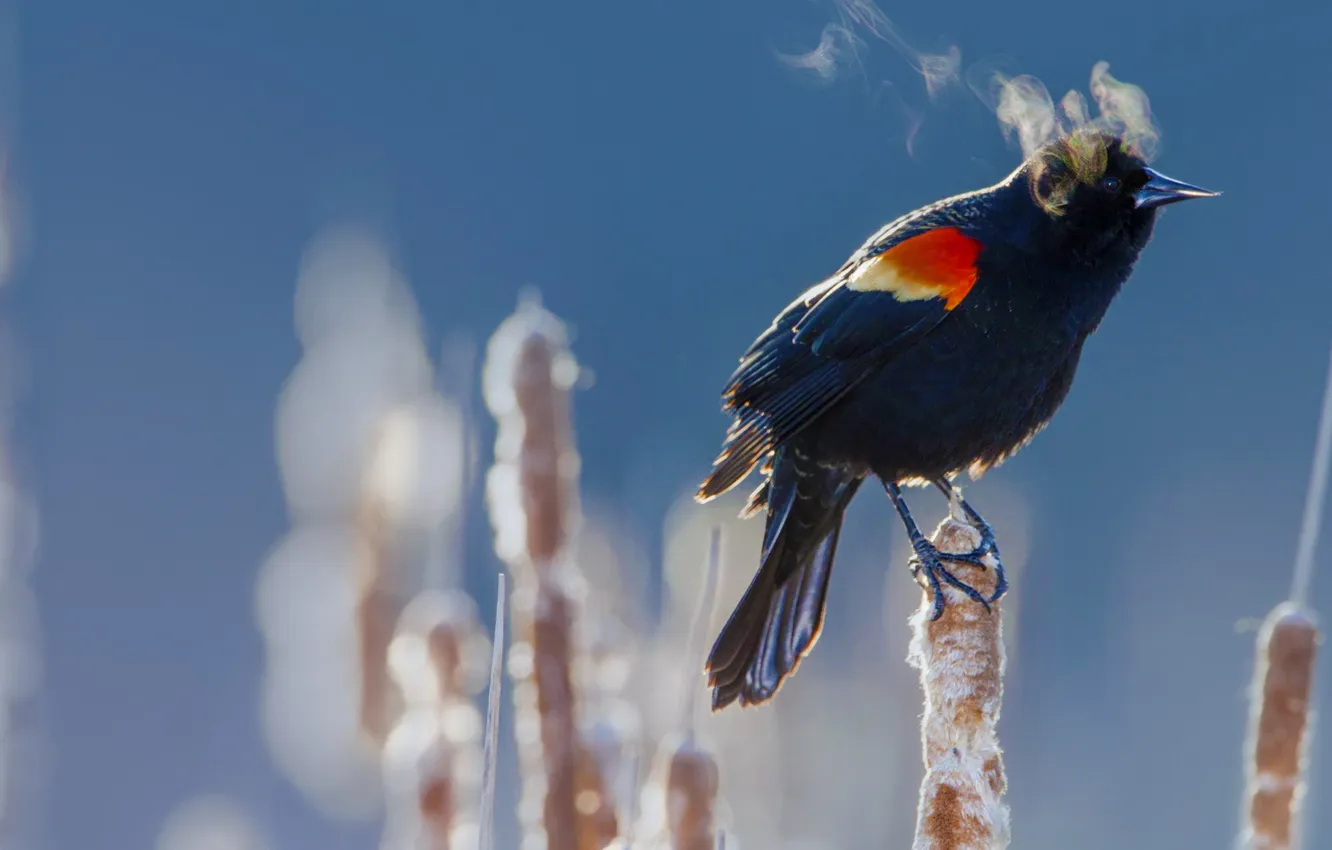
[(1160, 190)]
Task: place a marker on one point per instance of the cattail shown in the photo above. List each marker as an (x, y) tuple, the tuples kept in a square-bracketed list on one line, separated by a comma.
[(376, 609), (532, 497), (610, 718), (433, 758), (960, 657), (609, 728), (692, 783), (411, 483), (368, 461), (1281, 712), (1279, 728), (680, 810)]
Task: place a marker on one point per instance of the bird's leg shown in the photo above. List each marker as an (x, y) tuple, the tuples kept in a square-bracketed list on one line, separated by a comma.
[(988, 544), (929, 559)]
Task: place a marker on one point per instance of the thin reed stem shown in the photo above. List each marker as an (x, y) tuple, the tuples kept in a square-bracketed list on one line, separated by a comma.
[(1313, 503), (486, 818)]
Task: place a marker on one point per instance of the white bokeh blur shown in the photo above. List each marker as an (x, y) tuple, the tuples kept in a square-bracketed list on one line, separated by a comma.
[(210, 822), (359, 425), (22, 765)]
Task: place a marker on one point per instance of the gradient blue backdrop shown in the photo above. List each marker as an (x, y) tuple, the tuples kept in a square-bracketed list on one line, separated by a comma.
[(668, 184)]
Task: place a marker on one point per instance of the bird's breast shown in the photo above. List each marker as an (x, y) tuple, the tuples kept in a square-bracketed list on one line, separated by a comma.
[(973, 388)]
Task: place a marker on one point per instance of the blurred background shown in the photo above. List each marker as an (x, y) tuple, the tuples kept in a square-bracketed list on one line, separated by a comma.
[(240, 235)]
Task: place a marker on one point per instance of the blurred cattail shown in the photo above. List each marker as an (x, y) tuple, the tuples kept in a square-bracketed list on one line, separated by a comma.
[(680, 808), (433, 758), (210, 822), (609, 726), (532, 497), (1281, 713), (680, 802), (610, 719), (376, 609), (371, 464), (417, 450), (960, 657), (1279, 728)]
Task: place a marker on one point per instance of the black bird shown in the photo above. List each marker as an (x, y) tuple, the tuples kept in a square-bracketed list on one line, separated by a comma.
[(945, 343)]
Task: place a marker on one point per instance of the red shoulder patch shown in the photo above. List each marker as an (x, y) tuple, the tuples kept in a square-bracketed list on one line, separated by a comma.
[(939, 263)]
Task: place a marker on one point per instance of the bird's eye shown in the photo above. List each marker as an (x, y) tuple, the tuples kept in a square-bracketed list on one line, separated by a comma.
[(1110, 184)]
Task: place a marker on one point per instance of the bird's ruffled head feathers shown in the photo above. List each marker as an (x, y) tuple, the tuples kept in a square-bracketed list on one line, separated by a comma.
[(1078, 159), (1066, 148)]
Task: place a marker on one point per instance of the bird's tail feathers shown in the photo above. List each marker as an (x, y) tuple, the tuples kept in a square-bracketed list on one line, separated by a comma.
[(780, 616)]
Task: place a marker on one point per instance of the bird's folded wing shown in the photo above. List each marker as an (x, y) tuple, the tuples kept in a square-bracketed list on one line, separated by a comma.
[(886, 297), (892, 295)]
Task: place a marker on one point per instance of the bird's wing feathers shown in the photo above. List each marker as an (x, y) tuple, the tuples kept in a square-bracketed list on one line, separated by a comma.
[(898, 287)]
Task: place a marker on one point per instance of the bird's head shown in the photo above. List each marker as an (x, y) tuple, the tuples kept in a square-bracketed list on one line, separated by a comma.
[(1092, 181)]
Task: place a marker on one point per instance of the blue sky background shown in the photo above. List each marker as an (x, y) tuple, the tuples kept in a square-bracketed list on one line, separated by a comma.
[(667, 183)]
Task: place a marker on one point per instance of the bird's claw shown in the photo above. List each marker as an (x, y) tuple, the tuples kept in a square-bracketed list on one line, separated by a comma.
[(930, 561), (989, 545)]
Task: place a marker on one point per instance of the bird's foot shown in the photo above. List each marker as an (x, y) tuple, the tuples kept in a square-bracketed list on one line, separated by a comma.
[(988, 545), (927, 565), (927, 561)]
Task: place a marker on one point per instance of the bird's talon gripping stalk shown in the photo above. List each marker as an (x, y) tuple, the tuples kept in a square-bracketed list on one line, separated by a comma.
[(930, 562), (929, 559), (989, 545)]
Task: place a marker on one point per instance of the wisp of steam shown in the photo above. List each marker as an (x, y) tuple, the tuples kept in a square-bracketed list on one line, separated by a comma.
[(841, 45), (1024, 108)]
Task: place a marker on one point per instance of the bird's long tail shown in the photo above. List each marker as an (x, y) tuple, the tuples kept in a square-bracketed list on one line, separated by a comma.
[(781, 614)]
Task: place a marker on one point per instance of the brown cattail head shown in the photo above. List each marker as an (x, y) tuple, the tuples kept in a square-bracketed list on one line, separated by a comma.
[(680, 802), (532, 497), (961, 661), (441, 629), (597, 819), (1279, 721), (530, 490), (549, 631), (680, 798), (692, 782), (608, 724), (432, 757), (437, 808)]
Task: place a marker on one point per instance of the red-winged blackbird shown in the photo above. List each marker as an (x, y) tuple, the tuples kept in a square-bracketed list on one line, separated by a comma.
[(946, 342)]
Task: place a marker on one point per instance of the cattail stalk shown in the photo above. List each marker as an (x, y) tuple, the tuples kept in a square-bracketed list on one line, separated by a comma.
[(609, 719), (376, 610), (532, 498), (1281, 713), (960, 657)]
